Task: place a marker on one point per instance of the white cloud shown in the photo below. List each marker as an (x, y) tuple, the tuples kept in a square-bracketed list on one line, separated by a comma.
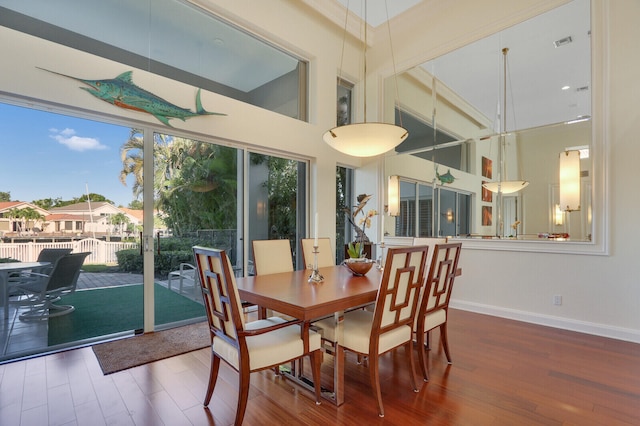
[(68, 138)]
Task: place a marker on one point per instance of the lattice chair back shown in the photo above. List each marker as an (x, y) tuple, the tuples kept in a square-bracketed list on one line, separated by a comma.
[(434, 304), (442, 274), (219, 293), (402, 279)]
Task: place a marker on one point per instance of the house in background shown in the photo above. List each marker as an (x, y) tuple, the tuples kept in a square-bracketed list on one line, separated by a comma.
[(10, 222), (81, 219), (93, 217)]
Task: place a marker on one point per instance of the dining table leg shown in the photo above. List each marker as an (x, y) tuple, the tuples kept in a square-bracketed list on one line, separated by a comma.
[(338, 361)]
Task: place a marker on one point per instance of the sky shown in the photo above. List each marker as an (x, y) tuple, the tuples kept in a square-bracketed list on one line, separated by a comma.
[(46, 155)]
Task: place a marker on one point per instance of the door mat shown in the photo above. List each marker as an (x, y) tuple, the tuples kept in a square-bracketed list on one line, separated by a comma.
[(144, 348)]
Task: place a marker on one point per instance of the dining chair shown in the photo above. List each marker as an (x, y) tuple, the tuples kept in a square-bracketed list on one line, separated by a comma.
[(247, 346), (390, 325), (326, 255), (45, 293), (271, 257), (434, 304)]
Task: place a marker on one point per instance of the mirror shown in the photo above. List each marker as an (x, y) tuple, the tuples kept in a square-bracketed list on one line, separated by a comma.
[(472, 122)]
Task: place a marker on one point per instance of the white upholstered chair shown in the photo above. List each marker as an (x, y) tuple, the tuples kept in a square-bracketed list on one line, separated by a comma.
[(326, 255), (271, 257), (390, 325), (247, 346), (434, 304)]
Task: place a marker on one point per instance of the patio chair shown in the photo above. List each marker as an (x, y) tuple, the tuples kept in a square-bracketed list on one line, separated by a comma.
[(45, 292), (186, 273), (17, 281), (247, 346)]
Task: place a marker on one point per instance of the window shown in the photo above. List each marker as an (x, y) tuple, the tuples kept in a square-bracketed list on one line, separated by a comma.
[(176, 40), (419, 201), (344, 193)]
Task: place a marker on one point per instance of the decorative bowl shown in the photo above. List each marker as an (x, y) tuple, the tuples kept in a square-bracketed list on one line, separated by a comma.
[(360, 266)]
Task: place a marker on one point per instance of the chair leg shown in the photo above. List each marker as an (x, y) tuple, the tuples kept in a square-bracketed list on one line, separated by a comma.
[(316, 363), (213, 377), (243, 393), (374, 375), (422, 355), (445, 342), (412, 364)]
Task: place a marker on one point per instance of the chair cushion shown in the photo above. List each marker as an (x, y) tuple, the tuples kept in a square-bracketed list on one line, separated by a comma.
[(434, 319), (270, 348), (357, 332)]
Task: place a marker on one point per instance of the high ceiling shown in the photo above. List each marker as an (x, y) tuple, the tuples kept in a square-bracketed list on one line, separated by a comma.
[(537, 70), (377, 11)]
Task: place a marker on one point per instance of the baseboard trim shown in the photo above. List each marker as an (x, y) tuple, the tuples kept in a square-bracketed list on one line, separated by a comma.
[(618, 333)]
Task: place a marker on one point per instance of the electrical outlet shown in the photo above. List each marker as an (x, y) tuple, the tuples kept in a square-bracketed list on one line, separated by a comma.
[(557, 299)]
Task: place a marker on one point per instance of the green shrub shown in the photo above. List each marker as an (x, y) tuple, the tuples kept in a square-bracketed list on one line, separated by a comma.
[(173, 252), (129, 260), (165, 262)]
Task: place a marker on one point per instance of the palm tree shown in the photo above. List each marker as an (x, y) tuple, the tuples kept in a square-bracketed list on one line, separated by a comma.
[(15, 213), (119, 219), (194, 182), (27, 215), (32, 217)]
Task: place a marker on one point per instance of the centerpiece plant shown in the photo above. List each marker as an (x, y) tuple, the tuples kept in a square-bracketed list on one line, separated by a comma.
[(360, 222)]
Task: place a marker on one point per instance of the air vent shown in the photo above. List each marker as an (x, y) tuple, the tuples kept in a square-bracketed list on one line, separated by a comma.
[(582, 89), (563, 41)]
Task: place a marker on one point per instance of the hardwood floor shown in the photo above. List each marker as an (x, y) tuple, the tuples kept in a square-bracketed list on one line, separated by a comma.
[(503, 373)]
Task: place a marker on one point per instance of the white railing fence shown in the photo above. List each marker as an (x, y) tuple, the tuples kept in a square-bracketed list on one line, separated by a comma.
[(102, 252)]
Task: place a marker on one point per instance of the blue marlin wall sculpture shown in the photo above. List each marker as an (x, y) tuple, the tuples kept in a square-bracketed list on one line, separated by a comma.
[(445, 178), (122, 92)]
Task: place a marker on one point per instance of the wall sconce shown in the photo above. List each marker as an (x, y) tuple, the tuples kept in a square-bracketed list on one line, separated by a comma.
[(261, 209), (558, 216), (570, 181), (393, 195), (450, 216)]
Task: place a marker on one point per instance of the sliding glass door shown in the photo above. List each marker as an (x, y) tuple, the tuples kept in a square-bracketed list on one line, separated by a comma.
[(276, 202)]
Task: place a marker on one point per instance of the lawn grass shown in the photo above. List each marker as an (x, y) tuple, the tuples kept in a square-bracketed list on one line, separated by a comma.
[(100, 268)]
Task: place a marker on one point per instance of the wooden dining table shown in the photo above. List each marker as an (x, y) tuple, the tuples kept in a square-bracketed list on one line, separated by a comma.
[(292, 294)]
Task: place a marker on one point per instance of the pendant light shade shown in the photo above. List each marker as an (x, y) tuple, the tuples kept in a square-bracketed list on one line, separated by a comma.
[(570, 181), (365, 139), (504, 186)]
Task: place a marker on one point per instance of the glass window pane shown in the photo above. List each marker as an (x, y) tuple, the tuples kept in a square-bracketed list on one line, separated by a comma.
[(447, 212), (177, 40), (425, 205), (195, 187), (406, 221), (344, 192), (276, 201), (62, 189)]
